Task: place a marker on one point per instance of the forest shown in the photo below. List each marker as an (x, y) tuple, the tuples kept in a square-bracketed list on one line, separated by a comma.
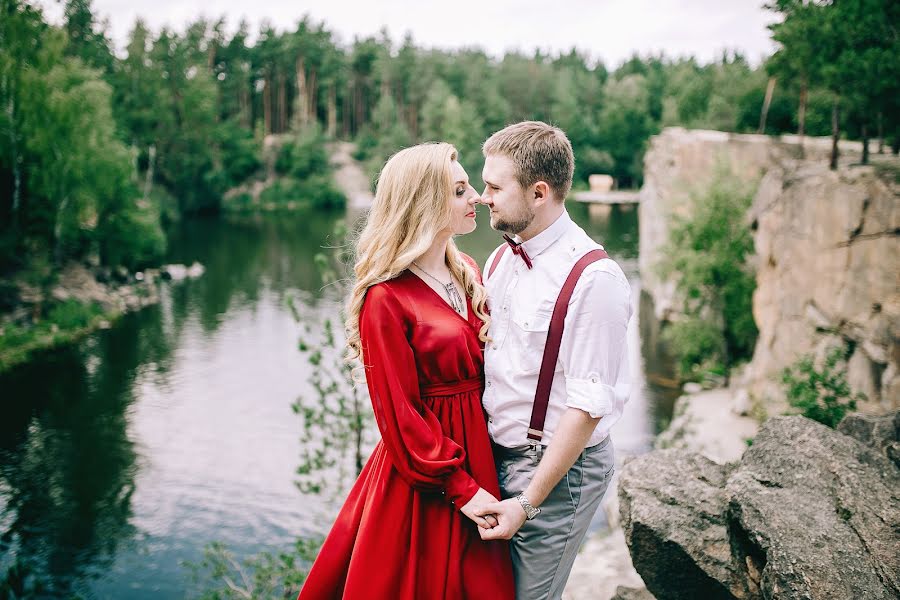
[(101, 148)]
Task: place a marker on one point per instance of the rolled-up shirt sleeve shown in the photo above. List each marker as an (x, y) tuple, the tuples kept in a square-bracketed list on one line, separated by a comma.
[(593, 349)]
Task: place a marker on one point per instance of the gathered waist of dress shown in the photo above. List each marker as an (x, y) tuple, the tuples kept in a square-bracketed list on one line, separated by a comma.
[(451, 388)]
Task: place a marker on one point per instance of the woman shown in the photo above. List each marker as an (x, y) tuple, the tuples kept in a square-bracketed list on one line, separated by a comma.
[(418, 318)]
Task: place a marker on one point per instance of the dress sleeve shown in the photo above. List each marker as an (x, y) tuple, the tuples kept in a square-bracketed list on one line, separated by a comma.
[(412, 434)]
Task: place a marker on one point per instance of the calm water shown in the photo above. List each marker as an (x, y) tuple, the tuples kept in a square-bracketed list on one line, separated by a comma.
[(122, 456)]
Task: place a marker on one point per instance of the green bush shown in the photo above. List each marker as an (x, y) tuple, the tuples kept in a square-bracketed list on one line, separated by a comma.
[(821, 395), (304, 155), (73, 314), (697, 345), (220, 576), (132, 237), (707, 255), (316, 191), (65, 322)]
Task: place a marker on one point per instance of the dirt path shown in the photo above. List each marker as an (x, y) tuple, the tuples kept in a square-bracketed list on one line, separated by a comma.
[(350, 176)]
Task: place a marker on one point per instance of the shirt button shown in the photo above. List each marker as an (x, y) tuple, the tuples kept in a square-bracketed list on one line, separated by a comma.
[(494, 346), (593, 380), (489, 384)]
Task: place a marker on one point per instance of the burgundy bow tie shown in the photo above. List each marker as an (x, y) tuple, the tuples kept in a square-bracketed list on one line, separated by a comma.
[(518, 249)]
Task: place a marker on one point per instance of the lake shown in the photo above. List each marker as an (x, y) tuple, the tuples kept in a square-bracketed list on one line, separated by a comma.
[(123, 455)]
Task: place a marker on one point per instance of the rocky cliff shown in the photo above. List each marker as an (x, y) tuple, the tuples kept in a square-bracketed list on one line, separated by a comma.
[(828, 274), (827, 243)]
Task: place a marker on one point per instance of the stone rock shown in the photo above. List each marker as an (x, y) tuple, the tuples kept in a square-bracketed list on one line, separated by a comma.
[(879, 432), (178, 272), (817, 513), (864, 375), (673, 510), (600, 183), (827, 243), (809, 512), (692, 387), (740, 405), (626, 593), (679, 161)]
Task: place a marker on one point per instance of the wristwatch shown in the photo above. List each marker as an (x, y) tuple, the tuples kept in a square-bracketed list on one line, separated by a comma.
[(530, 511)]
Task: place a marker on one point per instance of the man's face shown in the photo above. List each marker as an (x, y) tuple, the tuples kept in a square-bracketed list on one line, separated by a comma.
[(511, 211)]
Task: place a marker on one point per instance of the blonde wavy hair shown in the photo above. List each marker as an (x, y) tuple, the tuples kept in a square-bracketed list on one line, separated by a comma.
[(411, 207)]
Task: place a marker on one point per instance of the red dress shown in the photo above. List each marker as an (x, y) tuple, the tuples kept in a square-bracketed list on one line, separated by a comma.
[(400, 534)]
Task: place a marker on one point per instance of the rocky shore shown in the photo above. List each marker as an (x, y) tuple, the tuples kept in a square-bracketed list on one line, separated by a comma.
[(100, 296)]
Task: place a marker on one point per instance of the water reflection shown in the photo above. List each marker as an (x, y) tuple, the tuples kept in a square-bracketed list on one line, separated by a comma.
[(66, 463)]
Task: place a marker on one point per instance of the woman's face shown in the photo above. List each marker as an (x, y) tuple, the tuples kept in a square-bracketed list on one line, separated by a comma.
[(462, 201)]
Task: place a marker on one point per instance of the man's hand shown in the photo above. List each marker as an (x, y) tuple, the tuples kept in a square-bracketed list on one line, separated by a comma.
[(474, 509), (510, 515)]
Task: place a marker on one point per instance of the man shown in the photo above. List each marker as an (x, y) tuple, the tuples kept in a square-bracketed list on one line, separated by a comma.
[(552, 477)]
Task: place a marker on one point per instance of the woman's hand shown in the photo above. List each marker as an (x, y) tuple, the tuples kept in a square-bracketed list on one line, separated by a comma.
[(481, 498)]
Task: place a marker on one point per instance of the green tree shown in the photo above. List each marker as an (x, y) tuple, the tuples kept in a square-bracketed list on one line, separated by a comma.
[(707, 256)]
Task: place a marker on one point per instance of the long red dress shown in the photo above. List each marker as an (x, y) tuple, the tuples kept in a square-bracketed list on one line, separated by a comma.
[(400, 534)]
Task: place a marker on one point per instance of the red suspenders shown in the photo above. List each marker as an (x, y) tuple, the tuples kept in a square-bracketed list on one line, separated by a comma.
[(554, 338)]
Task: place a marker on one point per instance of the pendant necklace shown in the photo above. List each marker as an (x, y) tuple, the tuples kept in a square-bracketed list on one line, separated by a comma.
[(452, 293)]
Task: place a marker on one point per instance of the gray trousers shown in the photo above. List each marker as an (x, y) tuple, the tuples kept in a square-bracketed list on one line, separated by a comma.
[(544, 549)]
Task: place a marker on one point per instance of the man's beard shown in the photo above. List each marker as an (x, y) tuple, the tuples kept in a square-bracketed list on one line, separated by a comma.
[(514, 224)]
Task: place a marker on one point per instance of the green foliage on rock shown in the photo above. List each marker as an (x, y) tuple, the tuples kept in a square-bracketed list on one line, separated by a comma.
[(707, 255), (821, 393)]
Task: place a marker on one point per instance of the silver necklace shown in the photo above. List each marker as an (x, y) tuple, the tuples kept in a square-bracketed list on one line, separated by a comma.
[(452, 293)]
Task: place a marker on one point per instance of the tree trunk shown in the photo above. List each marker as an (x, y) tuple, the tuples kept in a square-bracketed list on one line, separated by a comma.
[(880, 132), (770, 89), (301, 110), (282, 103), (151, 161), (57, 231), (244, 103), (331, 130), (414, 121), (865, 140), (835, 134), (345, 116), (14, 153), (312, 104), (801, 113), (267, 106)]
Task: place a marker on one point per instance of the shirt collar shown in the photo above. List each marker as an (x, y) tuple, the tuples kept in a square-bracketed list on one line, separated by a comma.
[(545, 239)]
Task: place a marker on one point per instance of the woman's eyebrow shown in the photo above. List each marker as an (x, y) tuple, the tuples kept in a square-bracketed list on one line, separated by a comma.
[(463, 181)]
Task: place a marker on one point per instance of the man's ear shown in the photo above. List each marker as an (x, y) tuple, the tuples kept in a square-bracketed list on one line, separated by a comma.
[(541, 193)]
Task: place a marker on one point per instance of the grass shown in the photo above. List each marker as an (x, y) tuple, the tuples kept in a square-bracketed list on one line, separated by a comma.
[(65, 323)]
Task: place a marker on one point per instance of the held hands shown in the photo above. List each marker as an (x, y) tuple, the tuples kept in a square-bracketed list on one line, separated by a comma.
[(474, 509), (510, 516)]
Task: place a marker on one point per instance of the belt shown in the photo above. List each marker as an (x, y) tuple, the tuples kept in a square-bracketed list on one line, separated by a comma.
[(452, 388)]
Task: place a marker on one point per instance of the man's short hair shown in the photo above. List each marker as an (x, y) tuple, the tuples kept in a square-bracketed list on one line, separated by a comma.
[(541, 152)]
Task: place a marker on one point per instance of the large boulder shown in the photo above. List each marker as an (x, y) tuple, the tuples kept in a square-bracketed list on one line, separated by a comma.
[(880, 432), (808, 513), (673, 510), (817, 512)]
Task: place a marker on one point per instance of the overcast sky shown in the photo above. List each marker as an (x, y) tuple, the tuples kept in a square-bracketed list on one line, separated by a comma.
[(610, 30)]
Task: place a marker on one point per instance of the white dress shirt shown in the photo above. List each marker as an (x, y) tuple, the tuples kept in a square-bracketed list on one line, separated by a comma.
[(591, 372)]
